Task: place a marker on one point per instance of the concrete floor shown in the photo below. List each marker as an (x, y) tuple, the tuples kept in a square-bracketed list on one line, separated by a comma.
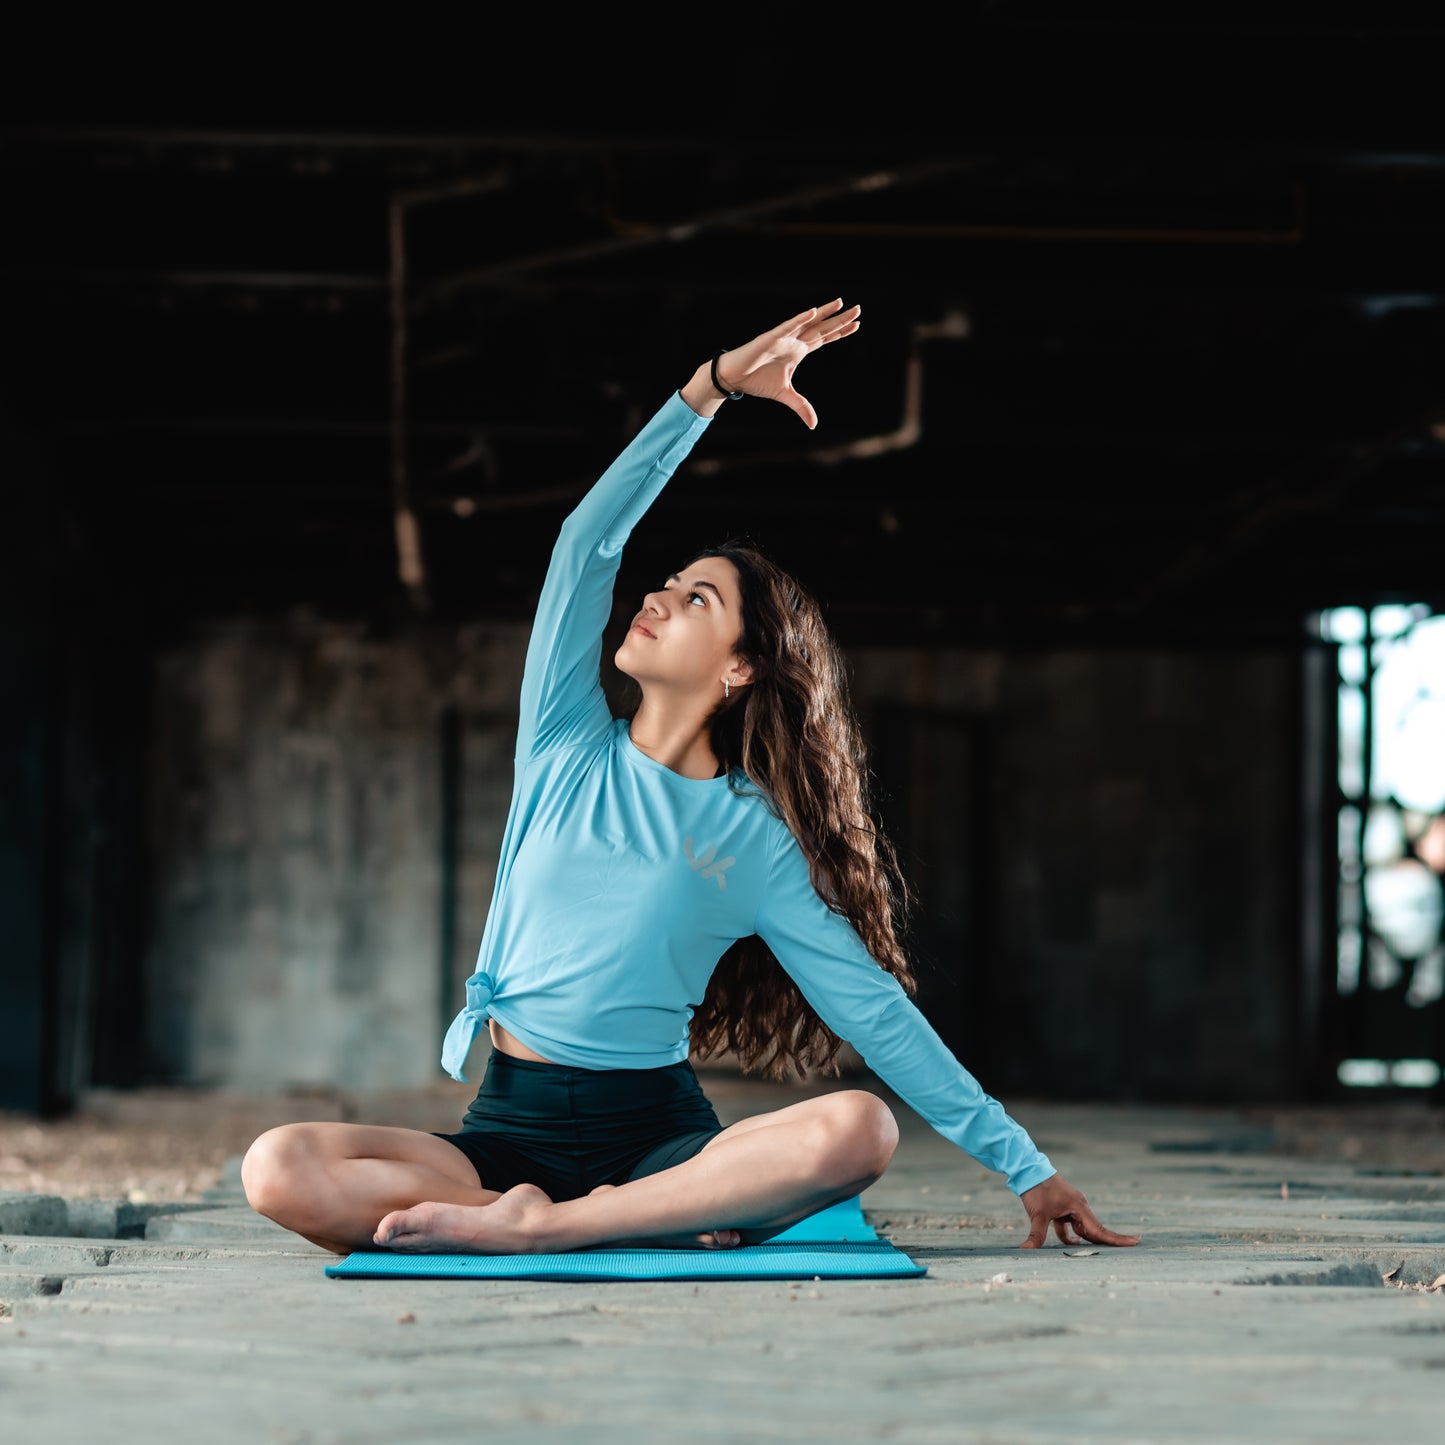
[(1281, 1292)]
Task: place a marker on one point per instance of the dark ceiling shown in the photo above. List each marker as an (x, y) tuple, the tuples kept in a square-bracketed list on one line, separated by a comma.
[(1127, 374)]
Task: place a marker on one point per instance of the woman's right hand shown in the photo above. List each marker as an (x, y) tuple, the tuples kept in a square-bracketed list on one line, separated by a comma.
[(764, 366), (1057, 1202)]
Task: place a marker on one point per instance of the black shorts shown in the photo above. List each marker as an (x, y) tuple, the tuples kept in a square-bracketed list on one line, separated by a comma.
[(568, 1130)]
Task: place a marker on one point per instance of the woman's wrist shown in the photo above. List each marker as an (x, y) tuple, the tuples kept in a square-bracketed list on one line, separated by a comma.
[(700, 394)]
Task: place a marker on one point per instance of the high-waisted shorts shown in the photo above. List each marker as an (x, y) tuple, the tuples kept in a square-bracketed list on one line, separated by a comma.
[(567, 1130)]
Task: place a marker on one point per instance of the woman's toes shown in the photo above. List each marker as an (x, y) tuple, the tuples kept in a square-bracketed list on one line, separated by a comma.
[(420, 1219)]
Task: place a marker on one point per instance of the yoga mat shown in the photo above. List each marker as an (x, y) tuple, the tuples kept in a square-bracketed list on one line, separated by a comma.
[(835, 1243)]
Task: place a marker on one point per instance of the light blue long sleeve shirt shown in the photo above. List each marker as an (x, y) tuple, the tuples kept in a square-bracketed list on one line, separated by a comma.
[(621, 883)]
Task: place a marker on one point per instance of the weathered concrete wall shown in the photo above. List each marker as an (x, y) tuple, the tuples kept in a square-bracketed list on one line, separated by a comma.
[(1106, 840), (298, 839), (1139, 935)]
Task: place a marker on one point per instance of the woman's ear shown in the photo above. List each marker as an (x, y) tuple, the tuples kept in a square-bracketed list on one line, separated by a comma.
[(741, 671)]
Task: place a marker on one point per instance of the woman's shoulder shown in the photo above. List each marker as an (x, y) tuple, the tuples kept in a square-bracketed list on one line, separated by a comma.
[(765, 815), (753, 794)]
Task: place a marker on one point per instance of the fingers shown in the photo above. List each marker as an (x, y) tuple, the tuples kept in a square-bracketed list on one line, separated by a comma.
[(1110, 1237), (795, 325), (1088, 1225), (810, 329), (1039, 1230), (829, 321), (801, 405), (834, 322)]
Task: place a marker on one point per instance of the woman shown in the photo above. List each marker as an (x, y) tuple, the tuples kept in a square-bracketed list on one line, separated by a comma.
[(704, 874)]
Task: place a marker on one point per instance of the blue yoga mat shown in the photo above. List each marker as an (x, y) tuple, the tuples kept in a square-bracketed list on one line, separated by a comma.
[(835, 1243)]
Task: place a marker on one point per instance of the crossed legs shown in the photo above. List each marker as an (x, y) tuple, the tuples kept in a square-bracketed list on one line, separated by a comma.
[(331, 1183), (354, 1187)]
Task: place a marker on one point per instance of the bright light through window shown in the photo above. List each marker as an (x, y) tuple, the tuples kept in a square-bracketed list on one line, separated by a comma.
[(1391, 769)]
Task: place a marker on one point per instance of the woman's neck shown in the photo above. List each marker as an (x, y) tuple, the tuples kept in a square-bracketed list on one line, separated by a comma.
[(676, 740)]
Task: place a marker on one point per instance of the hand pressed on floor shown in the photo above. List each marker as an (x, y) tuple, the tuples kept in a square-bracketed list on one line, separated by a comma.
[(1057, 1202)]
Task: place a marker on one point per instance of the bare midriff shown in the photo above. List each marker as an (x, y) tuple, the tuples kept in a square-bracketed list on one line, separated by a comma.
[(504, 1043)]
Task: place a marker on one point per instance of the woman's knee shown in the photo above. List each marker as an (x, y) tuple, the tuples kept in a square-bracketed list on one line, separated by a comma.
[(274, 1166), (860, 1135)]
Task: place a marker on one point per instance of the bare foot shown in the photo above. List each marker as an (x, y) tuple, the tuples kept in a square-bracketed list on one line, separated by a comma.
[(506, 1226)]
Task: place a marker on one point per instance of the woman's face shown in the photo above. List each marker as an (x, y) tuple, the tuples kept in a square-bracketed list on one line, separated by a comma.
[(685, 635)]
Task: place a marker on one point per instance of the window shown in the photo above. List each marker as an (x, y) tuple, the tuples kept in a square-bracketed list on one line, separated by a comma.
[(1391, 820)]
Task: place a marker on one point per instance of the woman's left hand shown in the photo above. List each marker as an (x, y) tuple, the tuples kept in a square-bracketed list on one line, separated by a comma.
[(1057, 1202), (764, 366)]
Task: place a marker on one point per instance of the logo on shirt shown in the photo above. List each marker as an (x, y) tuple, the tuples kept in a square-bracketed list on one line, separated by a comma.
[(703, 864)]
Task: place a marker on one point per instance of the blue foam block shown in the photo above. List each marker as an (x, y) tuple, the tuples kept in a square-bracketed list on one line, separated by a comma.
[(835, 1224)]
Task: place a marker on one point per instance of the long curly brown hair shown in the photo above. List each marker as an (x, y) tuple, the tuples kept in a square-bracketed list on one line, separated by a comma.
[(793, 734)]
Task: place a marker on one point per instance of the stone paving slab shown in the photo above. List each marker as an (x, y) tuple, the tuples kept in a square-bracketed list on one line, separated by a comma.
[(1256, 1308), (49, 1214)]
